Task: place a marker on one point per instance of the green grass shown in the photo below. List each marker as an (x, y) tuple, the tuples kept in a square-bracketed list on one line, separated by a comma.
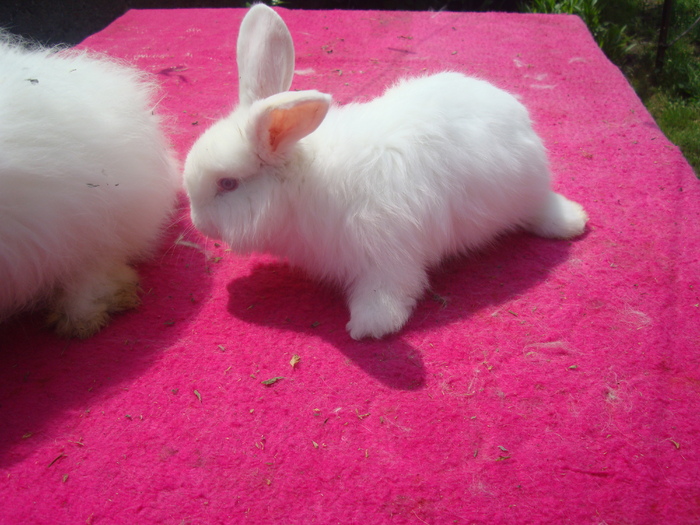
[(680, 121), (628, 32), (611, 37)]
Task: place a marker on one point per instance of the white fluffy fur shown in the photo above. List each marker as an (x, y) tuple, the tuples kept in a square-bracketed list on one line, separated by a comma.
[(86, 183), (379, 192)]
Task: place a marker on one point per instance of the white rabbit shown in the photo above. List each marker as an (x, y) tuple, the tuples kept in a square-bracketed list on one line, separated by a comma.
[(369, 195), (87, 182)]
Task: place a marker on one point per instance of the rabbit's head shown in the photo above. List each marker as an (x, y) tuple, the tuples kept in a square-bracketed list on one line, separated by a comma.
[(239, 172)]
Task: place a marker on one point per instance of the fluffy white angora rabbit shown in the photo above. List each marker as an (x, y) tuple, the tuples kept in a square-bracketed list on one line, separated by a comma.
[(87, 182), (368, 195)]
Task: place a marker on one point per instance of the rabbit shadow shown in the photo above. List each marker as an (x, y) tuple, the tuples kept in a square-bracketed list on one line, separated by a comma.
[(464, 286), (275, 295), (44, 377)]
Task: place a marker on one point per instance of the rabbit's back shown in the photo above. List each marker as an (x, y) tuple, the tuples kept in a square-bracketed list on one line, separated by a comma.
[(440, 163)]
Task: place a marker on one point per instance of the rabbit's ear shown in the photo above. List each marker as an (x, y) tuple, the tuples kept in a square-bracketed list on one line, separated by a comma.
[(265, 55), (283, 119)]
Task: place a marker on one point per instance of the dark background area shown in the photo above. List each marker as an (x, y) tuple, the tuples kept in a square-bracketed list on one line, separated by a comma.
[(69, 22)]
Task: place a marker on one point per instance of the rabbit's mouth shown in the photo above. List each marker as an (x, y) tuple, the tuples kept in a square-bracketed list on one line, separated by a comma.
[(207, 228)]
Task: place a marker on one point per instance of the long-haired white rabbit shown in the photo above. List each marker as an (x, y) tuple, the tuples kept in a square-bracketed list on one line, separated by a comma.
[(87, 182), (369, 195)]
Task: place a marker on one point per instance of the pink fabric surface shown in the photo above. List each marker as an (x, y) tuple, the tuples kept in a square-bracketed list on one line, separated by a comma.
[(539, 382)]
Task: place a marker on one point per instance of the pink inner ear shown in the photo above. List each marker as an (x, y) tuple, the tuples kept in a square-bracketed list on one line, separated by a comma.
[(276, 131), (288, 125)]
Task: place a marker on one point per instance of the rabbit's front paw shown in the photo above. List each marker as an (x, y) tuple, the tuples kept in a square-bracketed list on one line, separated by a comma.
[(378, 314), (85, 309)]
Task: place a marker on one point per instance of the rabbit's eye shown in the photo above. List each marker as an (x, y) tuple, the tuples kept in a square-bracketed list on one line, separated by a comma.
[(227, 184)]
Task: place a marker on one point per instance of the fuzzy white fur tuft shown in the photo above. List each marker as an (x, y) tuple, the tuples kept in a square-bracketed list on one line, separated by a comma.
[(376, 193), (87, 182)]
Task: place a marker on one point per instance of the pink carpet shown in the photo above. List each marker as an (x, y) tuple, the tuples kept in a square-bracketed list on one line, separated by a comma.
[(540, 382)]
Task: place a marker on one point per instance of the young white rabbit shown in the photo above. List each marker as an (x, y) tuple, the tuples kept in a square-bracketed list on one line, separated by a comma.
[(87, 182), (369, 195)]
